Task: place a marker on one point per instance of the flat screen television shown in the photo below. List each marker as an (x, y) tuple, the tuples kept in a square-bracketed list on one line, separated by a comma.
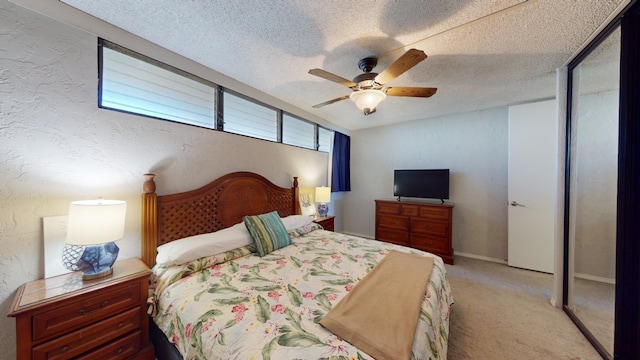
[(426, 183)]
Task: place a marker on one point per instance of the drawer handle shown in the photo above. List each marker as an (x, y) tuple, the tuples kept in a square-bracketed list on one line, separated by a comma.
[(102, 306), (120, 325), (64, 349), (120, 351)]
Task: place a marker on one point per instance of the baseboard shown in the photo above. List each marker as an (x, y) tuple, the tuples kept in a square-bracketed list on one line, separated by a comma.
[(595, 278), (480, 257)]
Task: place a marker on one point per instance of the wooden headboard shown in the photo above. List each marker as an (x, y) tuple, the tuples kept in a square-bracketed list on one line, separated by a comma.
[(217, 205)]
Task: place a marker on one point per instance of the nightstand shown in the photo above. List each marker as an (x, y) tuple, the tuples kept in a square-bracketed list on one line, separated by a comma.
[(64, 317), (325, 221)]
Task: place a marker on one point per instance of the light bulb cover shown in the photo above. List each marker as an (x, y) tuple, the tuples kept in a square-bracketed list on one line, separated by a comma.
[(367, 100)]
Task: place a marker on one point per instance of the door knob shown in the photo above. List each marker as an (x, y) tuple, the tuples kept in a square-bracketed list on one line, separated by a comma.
[(515, 203)]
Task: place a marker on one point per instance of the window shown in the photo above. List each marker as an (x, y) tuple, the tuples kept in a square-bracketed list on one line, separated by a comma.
[(324, 139), (298, 132), (142, 86), (245, 117), (136, 84)]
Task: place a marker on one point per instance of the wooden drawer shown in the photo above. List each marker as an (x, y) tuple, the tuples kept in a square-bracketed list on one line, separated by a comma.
[(409, 210), (69, 317), (387, 208), (326, 223), (329, 226), (85, 339), (437, 213), (430, 243), (429, 227), (393, 222), (122, 348), (396, 237)]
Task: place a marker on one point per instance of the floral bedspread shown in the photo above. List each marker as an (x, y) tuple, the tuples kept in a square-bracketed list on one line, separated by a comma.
[(237, 305)]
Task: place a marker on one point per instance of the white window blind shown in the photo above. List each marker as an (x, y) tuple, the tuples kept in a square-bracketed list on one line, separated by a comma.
[(132, 85), (298, 132), (246, 117), (324, 139)]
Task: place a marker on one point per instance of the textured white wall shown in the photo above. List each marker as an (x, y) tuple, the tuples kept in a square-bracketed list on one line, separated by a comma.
[(472, 145), (57, 146)]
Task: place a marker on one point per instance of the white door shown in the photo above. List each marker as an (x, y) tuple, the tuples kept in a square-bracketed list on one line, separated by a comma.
[(532, 185)]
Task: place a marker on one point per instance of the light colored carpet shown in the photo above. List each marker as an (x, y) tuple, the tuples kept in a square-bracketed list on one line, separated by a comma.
[(502, 312)]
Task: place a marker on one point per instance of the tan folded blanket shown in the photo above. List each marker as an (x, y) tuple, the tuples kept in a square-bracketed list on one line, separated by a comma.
[(380, 314)]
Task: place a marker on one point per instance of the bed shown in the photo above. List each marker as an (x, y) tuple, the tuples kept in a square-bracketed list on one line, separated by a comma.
[(227, 302)]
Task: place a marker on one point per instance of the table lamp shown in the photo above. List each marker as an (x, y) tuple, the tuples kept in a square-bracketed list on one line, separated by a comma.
[(323, 196), (93, 226)]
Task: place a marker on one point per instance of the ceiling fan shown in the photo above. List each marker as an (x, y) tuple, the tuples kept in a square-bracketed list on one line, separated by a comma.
[(368, 87)]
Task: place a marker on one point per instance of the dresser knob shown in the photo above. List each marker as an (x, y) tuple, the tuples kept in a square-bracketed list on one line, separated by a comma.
[(120, 351), (64, 349), (120, 325)]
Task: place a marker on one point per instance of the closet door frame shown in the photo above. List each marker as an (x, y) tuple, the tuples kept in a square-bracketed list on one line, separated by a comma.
[(627, 292), (627, 319)]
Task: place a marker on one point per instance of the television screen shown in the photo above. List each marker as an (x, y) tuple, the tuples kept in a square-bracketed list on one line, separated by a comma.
[(431, 183)]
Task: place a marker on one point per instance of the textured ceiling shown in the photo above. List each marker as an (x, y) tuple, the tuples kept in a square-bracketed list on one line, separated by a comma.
[(482, 53)]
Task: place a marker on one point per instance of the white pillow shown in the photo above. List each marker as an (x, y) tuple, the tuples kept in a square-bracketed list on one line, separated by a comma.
[(194, 247), (295, 221)]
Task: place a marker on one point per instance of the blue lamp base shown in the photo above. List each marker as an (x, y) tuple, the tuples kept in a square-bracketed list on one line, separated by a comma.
[(323, 209), (95, 261)]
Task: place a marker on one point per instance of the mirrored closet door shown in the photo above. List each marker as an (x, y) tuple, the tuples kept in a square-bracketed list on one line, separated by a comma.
[(592, 184)]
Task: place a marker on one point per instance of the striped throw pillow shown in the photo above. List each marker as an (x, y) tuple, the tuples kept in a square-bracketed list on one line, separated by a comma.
[(268, 232)]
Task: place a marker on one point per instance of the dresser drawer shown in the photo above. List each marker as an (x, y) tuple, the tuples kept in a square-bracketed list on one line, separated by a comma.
[(388, 208), (430, 243), (396, 237), (429, 227), (393, 222), (81, 313), (436, 213), (327, 223), (122, 348), (328, 226), (85, 339), (409, 210)]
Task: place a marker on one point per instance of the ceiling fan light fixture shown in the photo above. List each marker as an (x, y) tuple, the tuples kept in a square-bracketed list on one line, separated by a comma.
[(367, 100)]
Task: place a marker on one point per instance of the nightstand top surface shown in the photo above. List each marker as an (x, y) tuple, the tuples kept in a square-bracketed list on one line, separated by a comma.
[(38, 292), (321, 218)]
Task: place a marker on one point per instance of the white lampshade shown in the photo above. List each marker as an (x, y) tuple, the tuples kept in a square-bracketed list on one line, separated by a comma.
[(323, 194), (94, 222), (367, 100)]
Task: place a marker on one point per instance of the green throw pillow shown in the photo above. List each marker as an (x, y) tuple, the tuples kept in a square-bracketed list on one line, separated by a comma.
[(268, 232)]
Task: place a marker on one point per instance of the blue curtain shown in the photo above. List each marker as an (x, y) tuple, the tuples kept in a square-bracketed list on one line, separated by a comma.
[(340, 169)]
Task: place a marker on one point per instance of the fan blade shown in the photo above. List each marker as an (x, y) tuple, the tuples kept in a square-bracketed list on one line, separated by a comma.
[(331, 101), (411, 91), (408, 60), (332, 77)]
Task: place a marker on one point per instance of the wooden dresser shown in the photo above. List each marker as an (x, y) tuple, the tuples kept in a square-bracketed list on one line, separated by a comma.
[(63, 317), (419, 225)]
